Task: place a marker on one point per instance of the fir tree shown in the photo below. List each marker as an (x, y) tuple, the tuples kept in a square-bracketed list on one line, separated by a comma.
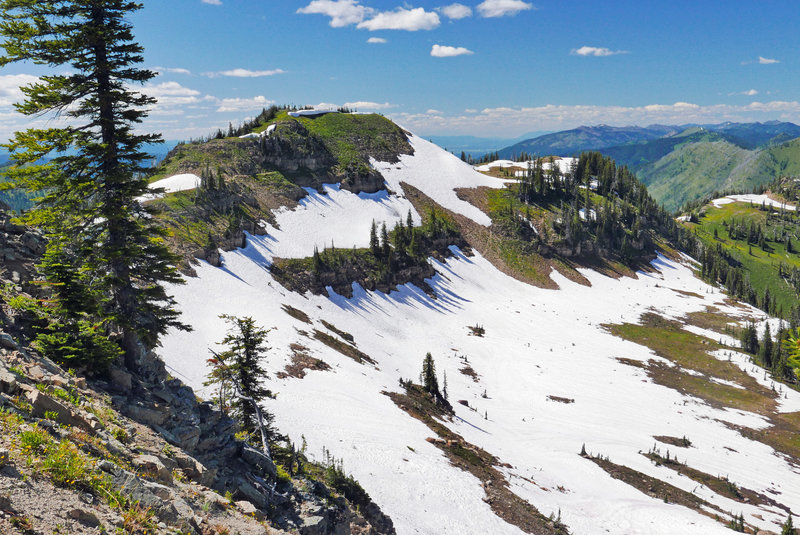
[(241, 362), (788, 527), (89, 211), (374, 244), (429, 381)]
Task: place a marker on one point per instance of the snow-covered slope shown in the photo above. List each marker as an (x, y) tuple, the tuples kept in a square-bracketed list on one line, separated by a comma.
[(538, 343)]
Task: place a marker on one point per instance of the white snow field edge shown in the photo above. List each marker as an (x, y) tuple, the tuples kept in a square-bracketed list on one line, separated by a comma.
[(538, 343), (754, 199)]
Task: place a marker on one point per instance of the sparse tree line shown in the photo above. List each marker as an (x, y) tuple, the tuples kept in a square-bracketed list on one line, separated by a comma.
[(595, 201), (389, 252)]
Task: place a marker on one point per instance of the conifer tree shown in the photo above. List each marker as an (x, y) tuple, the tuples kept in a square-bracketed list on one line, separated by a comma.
[(788, 527), (89, 211), (429, 381), (246, 346)]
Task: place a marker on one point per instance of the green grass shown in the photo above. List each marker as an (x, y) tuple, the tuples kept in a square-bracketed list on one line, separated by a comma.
[(690, 351), (761, 265)]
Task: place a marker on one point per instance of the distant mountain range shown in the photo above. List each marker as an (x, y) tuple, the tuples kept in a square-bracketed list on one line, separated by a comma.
[(687, 162), (478, 146)]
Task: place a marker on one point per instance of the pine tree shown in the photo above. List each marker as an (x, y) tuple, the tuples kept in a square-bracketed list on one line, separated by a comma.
[(89, 211), (374, 244), (245, 343), (429, 381), (788, 527)]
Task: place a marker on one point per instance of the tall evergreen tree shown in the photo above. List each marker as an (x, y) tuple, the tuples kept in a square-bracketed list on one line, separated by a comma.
[(89, 211), (246, 346), (429, 381)]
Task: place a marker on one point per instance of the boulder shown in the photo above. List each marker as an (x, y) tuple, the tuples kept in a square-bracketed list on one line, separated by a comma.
[(314, 525), (152, 465), (248, 509), (43, 403), (256, 458), (87, 518), (121, 380), (8, 382), (7, 342)]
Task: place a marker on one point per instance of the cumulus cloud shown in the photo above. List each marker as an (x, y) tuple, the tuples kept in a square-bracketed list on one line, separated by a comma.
[(596, 51), (212, 2), (440, 51), (502, 120), (367, 105), (10, 87), (342, 12), (172, 97), (402, 19), (766, 61), (455, 11), (243, 104), (376, 40), (502, 8), (244, 73), (172, 70)]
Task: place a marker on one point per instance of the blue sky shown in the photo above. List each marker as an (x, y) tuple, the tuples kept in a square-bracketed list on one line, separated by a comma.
[(481, 67)]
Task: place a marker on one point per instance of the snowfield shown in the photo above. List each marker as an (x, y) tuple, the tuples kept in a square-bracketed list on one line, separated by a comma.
[(173, 184), (538, 343), (752, 198)]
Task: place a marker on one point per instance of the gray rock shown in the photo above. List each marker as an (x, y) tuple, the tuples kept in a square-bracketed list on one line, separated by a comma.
[(5, 503), (162, 491), (5, 457), (251, 493), (249, 509), (152, 465), (43, 403), (145, 415), (121, 380), (135, 489), (258, 459), (8, 382), (314, 525), (7, 342), (108, 466), (86, 518)]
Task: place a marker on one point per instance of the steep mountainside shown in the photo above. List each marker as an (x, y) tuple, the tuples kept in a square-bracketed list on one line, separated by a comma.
[(703, 165), (688, 162), (577, 354)]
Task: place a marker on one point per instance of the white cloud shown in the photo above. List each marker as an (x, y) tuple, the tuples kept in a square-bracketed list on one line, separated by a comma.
[(440, 51), (596, 51), (212, 2), (376, 40), (433, 112), (455, 11), (766, 61), (243, 104), (501, 8), (507, 121), (244, 73), (172, 70), (342, 12), (402, 19), (749, 92), (10, 87), (367, 105)]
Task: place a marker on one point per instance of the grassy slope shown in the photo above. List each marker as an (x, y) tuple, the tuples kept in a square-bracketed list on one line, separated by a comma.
[(761, 265), (693, 171), (697, 163)]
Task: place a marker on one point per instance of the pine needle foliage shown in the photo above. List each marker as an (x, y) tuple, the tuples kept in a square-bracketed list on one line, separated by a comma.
[(106, 257)]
